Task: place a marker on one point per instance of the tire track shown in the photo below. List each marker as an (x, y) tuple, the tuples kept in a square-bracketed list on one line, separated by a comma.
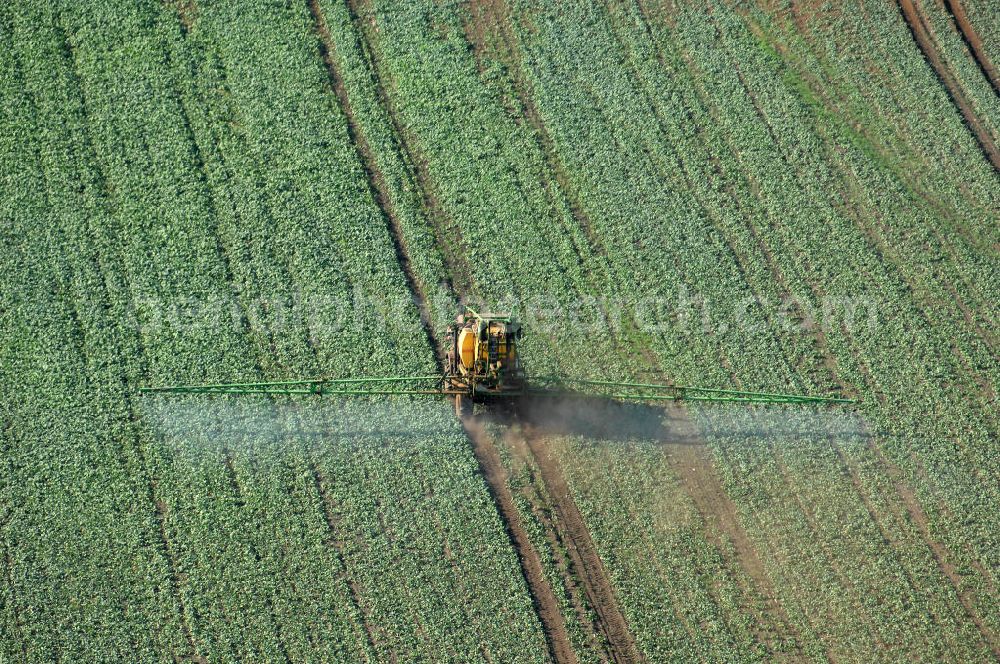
[(873, 233), (694, 468), (546, 606), (881, 247), (820, 345), (175, 576), (184, 11), (446, 233), (483, 448), (880, 518), (819, 342), (160, 510), (821, 84), (240, 494), (103, 185), (820, 336), (375, 179), (491, 23), (491, 16), (823, 550), (938, 550), (973, 42), (540, 508), (911, 503), (380, 195), (743, 262), (187, 13), (922, 35), (941, 557), (583, 552), (335, 543), (490, 32), (540, 505), (211, 197), (266, 336), (235, 287)]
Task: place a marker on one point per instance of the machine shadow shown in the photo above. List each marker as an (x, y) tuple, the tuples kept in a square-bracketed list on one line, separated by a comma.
[(610, 420), (598, 418)]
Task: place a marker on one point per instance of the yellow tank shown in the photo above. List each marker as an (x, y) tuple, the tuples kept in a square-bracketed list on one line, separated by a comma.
[(467, 347)]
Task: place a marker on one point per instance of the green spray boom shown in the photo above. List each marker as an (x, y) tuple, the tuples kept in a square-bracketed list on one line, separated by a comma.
[(481, 362)]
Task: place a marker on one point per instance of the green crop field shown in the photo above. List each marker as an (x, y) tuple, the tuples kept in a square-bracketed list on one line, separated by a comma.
[(775, 196)]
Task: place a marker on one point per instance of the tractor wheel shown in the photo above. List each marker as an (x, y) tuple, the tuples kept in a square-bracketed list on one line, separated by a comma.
[(463, 406)]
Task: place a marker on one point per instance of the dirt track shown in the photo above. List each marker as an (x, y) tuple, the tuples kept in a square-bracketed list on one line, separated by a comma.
[(949, 570), (696, 472), (545, 601), (922, 35), (974, 43), (493, 472), (447, 237), (580, 547), (376, 180), (690, 463)]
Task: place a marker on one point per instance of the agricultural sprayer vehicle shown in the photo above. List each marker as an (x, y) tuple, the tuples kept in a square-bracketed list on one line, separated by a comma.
[(482, 364)]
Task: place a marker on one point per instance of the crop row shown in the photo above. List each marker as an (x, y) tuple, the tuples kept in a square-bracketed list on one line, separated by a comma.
[(836, 253), (489, 177), (961, 64), (872, 74)]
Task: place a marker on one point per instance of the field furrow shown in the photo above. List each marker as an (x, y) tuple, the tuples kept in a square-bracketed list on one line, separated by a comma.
[(973, 42), (581, 549), (922, 35), (376, 179)]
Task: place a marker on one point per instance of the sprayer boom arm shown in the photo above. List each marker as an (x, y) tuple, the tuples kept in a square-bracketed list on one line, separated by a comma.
[(319, 386), (558, 385), (545, 386)]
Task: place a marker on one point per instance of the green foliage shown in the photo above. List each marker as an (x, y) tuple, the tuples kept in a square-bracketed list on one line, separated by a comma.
[(154, 165), (151, 157)]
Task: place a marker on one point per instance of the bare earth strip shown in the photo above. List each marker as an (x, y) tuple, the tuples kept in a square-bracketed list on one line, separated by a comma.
[(540, 506), (693, 466), (446, 234), (941, 556), (921, 34), (376, 180), (541, 592), (974, 43), (545, 601), (492, 17), (583, 553), (187, 12)]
